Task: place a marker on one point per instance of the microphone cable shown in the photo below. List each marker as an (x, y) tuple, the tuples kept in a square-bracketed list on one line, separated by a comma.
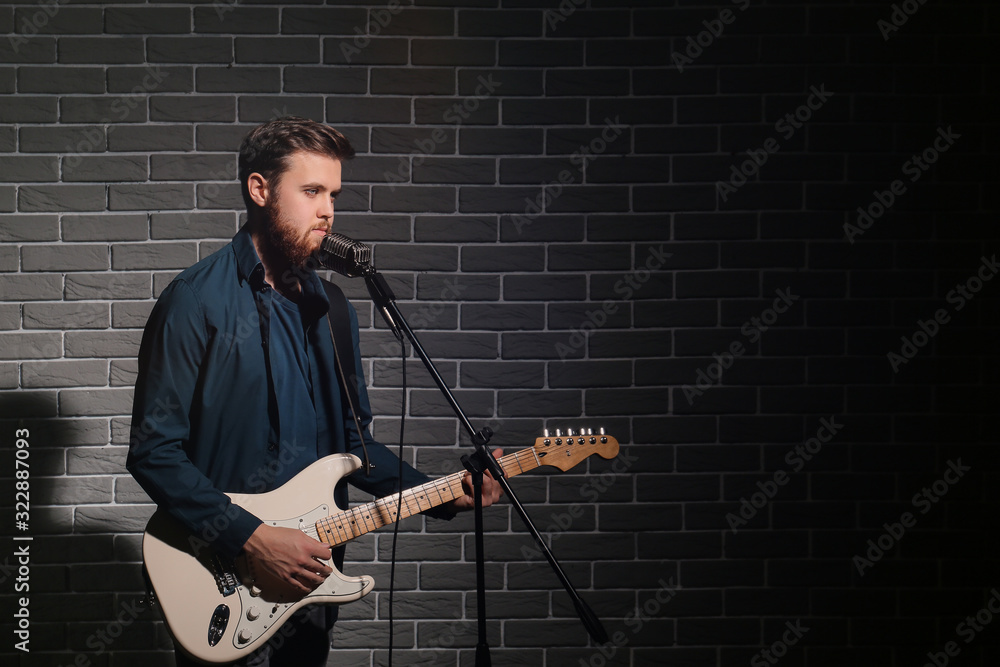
[(399, 499)]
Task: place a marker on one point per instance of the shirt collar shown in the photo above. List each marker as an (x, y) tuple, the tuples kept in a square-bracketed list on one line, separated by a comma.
[(248, 263), (251, 270)]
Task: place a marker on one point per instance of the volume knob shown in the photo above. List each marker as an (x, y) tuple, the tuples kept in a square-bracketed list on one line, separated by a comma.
[(253, 614), (245, 636)]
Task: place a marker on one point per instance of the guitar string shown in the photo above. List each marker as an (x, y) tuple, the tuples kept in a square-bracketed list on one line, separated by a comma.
[(451, 482)]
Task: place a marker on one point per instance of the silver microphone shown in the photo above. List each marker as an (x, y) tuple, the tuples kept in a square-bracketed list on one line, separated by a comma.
[(346, 256)]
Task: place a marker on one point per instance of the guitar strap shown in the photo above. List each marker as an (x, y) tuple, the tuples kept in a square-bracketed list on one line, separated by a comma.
[(343, 351)]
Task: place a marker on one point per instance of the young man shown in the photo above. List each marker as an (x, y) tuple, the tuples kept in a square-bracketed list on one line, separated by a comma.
[(237, 388)]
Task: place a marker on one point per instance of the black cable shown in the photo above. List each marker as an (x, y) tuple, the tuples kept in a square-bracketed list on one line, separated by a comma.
[(399, 498)]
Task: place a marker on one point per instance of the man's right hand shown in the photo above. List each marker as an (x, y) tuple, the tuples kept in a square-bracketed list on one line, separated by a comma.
[(290, 556)]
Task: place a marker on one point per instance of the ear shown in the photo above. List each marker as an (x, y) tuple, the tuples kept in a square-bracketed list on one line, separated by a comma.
[(258, 189)]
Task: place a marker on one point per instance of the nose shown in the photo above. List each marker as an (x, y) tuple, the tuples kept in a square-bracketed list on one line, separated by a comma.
[(326, 210)]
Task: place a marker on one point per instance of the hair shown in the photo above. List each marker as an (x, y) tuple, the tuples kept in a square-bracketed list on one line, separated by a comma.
[(266, 149)]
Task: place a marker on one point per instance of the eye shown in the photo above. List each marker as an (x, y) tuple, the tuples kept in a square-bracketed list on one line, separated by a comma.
[(312, 192)]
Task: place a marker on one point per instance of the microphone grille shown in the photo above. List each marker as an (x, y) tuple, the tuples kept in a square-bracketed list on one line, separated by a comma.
[(345, 255)]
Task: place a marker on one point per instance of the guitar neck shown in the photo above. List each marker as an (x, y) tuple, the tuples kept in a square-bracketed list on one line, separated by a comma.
[(345, 526)]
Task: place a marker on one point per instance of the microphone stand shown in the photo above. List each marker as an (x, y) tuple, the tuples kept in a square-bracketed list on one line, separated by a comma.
[(477, 463)]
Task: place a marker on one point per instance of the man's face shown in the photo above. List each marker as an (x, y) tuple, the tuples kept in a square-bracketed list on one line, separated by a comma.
[(300, 208)]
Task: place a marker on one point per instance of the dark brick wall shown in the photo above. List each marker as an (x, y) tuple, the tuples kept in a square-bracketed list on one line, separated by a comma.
[(754, 240)]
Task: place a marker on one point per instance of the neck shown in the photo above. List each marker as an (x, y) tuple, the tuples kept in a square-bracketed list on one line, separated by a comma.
[(278, 271)]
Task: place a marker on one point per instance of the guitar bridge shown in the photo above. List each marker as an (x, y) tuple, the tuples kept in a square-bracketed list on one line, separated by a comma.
[(225, 577)]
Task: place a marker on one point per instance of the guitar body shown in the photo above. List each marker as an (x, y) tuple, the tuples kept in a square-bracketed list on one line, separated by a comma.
[(220, 612)]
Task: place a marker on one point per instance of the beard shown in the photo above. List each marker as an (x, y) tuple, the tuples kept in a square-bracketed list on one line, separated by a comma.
[(282, 235)]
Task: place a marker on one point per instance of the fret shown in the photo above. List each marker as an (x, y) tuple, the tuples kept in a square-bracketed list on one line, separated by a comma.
[(354, 522)]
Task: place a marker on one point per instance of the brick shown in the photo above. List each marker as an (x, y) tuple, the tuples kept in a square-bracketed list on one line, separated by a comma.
[(66, 316), (21, 49), (91, 402), (276, 50), (196, 225), (455, 228), (139, 256), (472, 110), (204, 108), (500, 141), (104, 227), (543, 288), (105, 168), (326, 80), (413, 81), (29, 109), (323, 21), (346, 109), (454, 52), (31, 346), (67, 20), (415, 22), (230, 18), (147, 20), (420, 141), (91, 372), (503, 258), (21, 169), (503, 317), (103, 109), (101, 50), (413, 198), (189, 49), (541, 53), (64, 257), (84, 286), (149, 196), (123, 372), (492, 23), (30, 287), (366, 50), (472, 199), (535, 227), (151, 78), (152, 138), (199, 166), (62, 80)]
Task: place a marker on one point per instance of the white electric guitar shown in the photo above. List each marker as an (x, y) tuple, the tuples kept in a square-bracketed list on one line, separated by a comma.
[(219, 610)]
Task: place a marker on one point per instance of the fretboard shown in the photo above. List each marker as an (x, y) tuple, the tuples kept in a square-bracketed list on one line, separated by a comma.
[(355, 522)]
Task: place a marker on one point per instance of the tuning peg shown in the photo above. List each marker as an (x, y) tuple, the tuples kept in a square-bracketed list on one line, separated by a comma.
[(590, 431), (545, 432), (558, 433), (569, 431)]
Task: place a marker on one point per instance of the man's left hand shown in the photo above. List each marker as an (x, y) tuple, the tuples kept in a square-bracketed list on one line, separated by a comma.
[(491, 490)]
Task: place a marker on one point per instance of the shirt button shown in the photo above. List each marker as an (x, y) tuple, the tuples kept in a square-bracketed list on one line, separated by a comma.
[(271, 446)]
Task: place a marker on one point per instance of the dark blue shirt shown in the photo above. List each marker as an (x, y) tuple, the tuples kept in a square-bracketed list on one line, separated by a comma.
[(210, 412)]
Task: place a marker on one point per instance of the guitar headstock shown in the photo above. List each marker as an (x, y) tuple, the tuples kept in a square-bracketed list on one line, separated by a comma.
[(565, 451)]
